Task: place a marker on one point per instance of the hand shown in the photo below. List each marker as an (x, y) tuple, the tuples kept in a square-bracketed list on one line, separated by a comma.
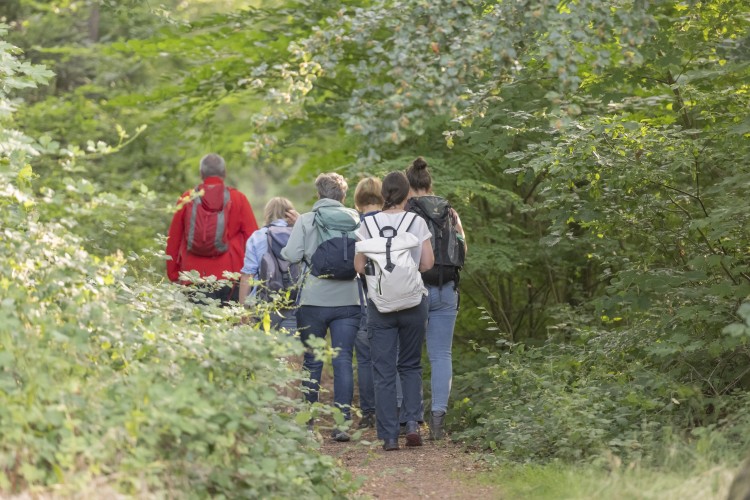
[(291, 216)]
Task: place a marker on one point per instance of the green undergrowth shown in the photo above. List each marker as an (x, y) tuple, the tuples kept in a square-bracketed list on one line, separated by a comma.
[(120, 385), (590, 419), (580, 403), (556, 481)]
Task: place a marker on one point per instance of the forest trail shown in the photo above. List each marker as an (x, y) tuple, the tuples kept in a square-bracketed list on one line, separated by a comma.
[(436, 470)]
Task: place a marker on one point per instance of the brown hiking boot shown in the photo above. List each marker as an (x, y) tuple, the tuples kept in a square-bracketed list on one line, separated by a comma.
[(413, 438)]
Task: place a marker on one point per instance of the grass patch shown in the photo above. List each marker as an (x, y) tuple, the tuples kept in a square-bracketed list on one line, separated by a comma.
[(560, 481)]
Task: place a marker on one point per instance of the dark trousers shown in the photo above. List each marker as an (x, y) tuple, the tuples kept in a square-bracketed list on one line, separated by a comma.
[(343, 323), (396, 348), (364, 368), (225, 294)]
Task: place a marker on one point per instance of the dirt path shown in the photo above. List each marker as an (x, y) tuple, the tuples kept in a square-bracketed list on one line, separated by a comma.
[(435, 470)]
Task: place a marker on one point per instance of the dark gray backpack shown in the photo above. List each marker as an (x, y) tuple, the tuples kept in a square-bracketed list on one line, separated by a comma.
[(279, 276), (449, 250)]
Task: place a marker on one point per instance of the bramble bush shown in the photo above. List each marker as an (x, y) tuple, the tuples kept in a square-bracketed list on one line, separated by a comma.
[(107, 380), (112, 384)]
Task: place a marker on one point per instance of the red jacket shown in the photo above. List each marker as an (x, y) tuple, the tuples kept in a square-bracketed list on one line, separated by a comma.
[(240, 225)]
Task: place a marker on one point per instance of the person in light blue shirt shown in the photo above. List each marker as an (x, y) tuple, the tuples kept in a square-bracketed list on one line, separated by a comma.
[(278, 212)]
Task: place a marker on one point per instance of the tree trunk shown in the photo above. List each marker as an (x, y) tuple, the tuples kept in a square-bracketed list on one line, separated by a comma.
[(93, 22)]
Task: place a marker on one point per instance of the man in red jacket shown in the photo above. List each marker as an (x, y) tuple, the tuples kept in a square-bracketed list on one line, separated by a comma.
[(209, 229)]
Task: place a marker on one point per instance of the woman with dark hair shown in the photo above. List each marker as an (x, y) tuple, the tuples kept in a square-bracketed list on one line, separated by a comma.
[(396, 337), (441, 283)]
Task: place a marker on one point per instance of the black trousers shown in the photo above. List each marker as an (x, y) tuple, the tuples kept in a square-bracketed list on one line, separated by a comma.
[(226, 294)]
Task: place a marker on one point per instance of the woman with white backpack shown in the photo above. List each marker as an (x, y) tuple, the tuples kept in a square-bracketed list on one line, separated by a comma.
[(393, 248)]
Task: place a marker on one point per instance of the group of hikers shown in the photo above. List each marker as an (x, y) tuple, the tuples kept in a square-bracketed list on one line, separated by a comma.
[(382, 279)]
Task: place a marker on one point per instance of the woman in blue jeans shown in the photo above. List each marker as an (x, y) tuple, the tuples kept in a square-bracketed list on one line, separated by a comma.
[(396, 337), (326, 304), (443, 309), (368, 200)]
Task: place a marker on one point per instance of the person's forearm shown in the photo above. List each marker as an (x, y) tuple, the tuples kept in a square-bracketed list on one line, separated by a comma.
[(244, 288), (427, 259), (460, 231)]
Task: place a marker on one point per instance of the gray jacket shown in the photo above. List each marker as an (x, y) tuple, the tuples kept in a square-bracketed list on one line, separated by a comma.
[(302, 244)]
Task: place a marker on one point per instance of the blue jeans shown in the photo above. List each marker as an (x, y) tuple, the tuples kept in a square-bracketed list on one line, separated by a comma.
[(364, 368), (396, 346), (441, 321), (343, 322)]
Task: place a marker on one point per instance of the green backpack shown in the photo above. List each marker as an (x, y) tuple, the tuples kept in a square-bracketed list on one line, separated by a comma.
[(334, 257)]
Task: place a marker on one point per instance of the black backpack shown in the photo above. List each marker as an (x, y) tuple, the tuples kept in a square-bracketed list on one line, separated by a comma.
[(448, 249)]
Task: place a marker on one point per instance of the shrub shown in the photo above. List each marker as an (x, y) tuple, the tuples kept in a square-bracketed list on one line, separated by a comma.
[(110, 383), (588, 400), (107, 379)]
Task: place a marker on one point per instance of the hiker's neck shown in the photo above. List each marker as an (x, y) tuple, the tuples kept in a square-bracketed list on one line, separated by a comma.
[(370, 208), (396, 208), (421, 192)]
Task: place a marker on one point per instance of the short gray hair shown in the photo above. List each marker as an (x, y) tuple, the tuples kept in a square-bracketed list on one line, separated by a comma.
[(332, 186), (212, 165)]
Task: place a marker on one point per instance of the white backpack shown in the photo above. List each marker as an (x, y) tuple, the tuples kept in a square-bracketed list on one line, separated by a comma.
[(393, 280)]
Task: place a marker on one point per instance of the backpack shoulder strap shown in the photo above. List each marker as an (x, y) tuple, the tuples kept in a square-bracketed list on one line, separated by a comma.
[(412, 204), (419, 207), (402, 221), (367, 226), (318, 219), (193, 217), (411, 223), (375, 219)]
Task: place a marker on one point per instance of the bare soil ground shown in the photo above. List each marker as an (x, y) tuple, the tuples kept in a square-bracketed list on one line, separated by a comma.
[(438, 469)]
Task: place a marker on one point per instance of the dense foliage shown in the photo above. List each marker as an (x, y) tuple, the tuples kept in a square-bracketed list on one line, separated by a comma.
[(602, 174), (643, 195), (598, 154), (112, 384)]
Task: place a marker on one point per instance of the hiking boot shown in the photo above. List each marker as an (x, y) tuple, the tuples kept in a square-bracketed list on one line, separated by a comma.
[(436, 426), (311, 425), (412, 434), (340, 436), (390, 444), (367, 421)]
